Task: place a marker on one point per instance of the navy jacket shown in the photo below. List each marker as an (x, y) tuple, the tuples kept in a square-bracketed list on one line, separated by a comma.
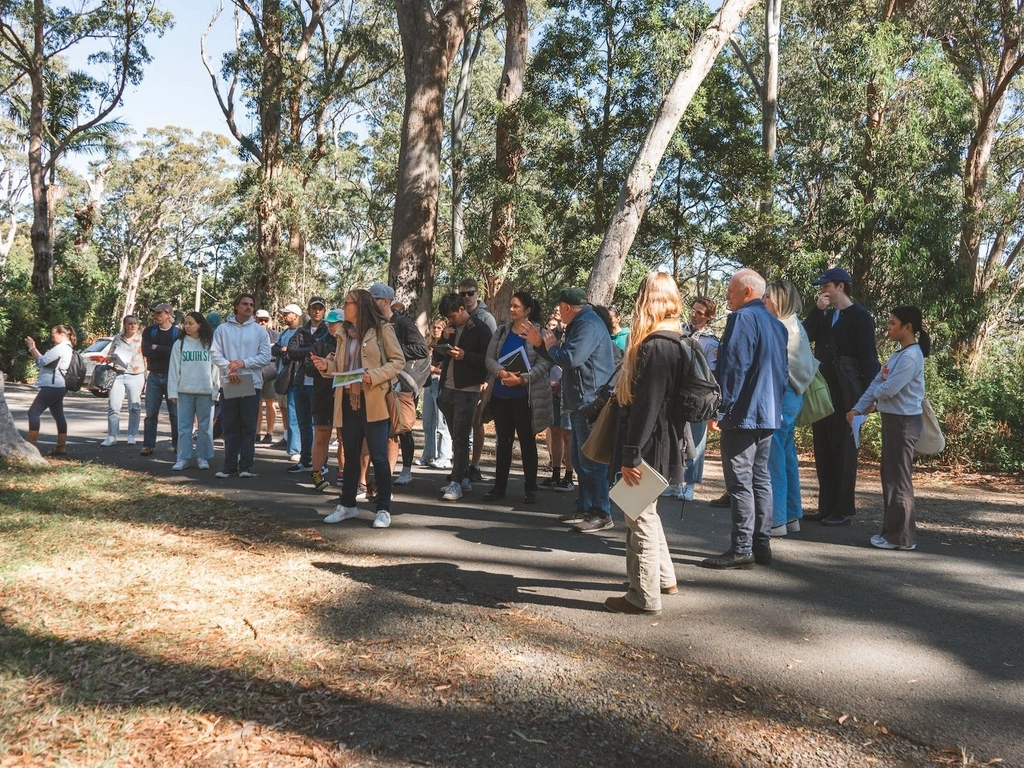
[(585, 356), (753, 368)]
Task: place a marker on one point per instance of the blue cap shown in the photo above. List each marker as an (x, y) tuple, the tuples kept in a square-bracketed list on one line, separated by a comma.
[(335, 316), (381, 291), (834, 275)]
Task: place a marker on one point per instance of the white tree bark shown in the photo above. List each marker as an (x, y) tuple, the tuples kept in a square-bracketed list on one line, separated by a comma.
[(12, 445), (629, 211)]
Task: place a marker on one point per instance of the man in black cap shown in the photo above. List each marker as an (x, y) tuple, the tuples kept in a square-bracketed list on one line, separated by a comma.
[(843, 335), (301, 394), (157, 340)]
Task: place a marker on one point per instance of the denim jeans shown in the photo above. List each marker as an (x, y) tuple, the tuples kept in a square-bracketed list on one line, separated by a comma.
[(156, 392), (593, 477), (238, 420), (745, 466), (354, 430), (300, 403), (130, 384), (459, 408), (293, 432), (437, 440), (192, 409), (695, 467), (783, 465)]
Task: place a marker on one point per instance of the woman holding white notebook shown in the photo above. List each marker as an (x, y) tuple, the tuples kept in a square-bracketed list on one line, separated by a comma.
[(645, 433)]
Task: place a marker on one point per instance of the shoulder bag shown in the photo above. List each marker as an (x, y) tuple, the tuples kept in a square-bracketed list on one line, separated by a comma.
[(931, 441), (817, 401), (599, 446), (401, 405)]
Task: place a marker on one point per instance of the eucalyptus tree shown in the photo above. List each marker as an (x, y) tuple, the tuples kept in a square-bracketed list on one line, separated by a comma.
[(35, 36)]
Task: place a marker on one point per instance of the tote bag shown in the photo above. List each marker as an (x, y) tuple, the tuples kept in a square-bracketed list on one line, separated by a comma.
[(817, 402), (598, 447), (931, 441)]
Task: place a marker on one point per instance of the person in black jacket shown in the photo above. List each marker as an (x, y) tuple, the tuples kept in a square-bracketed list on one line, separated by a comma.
[(461, 353), (644, 388), (843, 336), (157, 341), (301, 344)]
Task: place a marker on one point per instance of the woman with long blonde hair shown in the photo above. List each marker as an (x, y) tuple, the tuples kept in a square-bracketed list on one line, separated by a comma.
[(645, 387)]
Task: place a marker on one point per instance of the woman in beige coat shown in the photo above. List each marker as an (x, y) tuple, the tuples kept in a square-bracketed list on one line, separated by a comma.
[(366, 343)]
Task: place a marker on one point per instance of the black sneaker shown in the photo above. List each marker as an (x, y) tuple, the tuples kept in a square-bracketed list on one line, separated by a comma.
[(474, 475), (550, 483), (723, 501), (595, 523), (267, 440), (319, 481), (494, 495), (299, 467), (564, 486)]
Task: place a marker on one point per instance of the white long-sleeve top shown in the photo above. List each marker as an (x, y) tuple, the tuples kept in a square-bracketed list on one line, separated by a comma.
[(191, 369), (802, 364), (247, 342), (53, 365), (899, 386)]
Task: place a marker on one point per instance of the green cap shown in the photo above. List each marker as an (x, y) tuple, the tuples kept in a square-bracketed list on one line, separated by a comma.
[(574, 297)]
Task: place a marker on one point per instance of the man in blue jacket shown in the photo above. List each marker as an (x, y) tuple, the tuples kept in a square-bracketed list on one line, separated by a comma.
[(752, 370), (587, 362)]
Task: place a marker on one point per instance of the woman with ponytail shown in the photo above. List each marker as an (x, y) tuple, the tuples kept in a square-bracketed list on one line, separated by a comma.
[(897, 392), (52, 387)]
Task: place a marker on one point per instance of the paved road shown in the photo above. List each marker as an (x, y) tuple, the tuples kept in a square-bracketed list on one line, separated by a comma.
[(930, 643)]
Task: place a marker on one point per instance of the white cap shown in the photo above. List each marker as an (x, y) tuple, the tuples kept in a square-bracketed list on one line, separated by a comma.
[(295, 309), (262, 313)]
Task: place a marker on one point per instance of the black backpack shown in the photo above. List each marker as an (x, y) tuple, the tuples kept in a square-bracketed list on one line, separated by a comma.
[(697, 396), (74, 376)]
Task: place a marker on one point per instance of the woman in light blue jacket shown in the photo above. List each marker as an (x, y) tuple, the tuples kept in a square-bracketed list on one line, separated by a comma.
[(52, 388), (192, 382)]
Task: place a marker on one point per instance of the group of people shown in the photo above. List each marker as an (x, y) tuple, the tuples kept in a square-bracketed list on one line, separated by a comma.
[(345, 371)]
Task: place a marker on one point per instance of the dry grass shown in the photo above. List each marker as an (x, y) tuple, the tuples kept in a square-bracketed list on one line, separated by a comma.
[(144, 624)]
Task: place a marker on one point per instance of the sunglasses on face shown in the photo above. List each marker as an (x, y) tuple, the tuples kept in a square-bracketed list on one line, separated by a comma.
[(464, 294)]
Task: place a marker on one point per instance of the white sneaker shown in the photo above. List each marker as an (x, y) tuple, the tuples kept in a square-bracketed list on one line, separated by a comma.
[(361, 495), (245, 474), (453, 492), (793, 526), (130, 440), (295, 458), (342, 513), (203, 464), (382, 520), (687, 494), (403, 479), (419, 462), (672, 491), (223, 475), (109, 442), (441, 464), (778, 530), (178, 466), (333, 446)]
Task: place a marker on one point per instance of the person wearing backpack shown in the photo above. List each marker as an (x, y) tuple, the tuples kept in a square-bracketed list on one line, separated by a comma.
[(646, 431), (157, 341), (52, 387), (753, 371)]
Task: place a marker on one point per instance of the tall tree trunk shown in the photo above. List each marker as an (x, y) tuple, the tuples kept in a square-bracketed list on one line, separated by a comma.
[(460, 112), (770, 94), (429, 44), (11, 443), (268, 206), (632, 202), (42, 244), (508, 156)]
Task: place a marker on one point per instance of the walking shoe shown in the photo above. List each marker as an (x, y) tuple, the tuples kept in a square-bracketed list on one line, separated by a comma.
[(530, 497), (622, 605), (296, 457), (383, 519), (178, 466), (108, 442), (452, 492), (224, 474), (725, 501), (550, 483), (572, 518), (319, 482), (342, 513), (245, 474), (466, 485), (671, 590), (595, 523), (473, 474), (361, 494), (333, 446), (565, 486), (131, 440), (779, 530), (834, 520), (419, 462), (672, 491), (404, 478), (687, 492), (147, 451), (300, 467), (441, 464), (494, 495), (267, 440), (763, 554), (793, 526), (729, 559), (882, 543), (202, 464)]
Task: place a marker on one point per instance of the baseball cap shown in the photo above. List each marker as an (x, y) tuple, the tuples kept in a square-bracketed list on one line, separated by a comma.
[(163, 307), (834, 275), (574, 297), (295, 309), (381, 291), (316, 300), (335, 316), (262, 313)]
